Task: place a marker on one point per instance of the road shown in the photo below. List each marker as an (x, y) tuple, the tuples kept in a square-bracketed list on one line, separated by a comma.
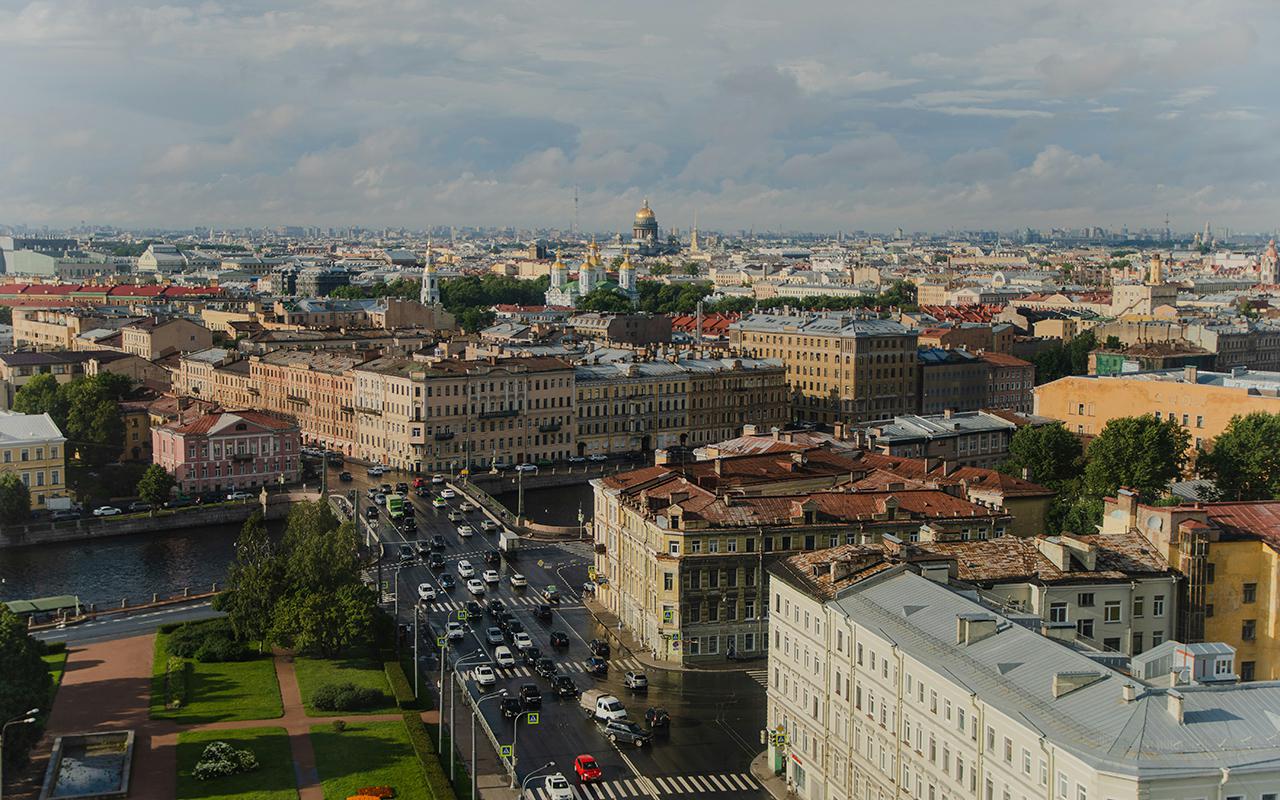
[(130, 623), (715, 716)]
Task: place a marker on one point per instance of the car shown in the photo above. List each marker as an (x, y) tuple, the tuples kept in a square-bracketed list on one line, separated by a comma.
[(177, 502), (495, 606), (238, 497), (577, 459), (489, 526), (437, 479), (465, 569), (454, 516), (475, 586), (435, 561), (334, 457), (473, 609), (438, 542), (556, 787), (106, 511), (513, 628), (418, 483), (531, 655), (484, 675), (345, 477), (589, 587), (447, 582), (587, 768), (598, 647), (380, 499), (402, 488), (636, 681), (656, 717), (503, 657), (420, 548), (408, 525), (526, 468), (438, 502), (492, 557), (448, 494), (597, 666), (385, 488), (426, 591), (563, 686), (370, 512), (531, 695), (493, 635), (465, 531), (522, 640), (518, 581), (374, 471), (67, 513), (407, 508), (371, 492), (626, 732), (465, 507), (559, 639), (422, 491), (551, 594), (406, 551), (545, 667), (542, 613), (511, 707), (490, 576), (597, 457), (455, 631), (139, 505)]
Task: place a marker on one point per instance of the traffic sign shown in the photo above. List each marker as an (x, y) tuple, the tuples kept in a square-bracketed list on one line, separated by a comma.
[(440, 642), (533, 717), (541, 563), (505, 751), (462, 615), (667, 615)]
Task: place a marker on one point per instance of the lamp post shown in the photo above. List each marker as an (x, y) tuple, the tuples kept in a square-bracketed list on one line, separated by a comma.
[(525, 782), (475, 712), (462, 662), (515, 735), (25, 719)]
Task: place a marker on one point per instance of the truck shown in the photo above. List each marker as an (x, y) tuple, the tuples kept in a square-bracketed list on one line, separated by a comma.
[(395, 507), (508, 542), (602, 706)]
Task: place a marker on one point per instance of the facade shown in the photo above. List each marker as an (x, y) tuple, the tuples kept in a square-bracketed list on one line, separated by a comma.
[(967, 438), (16, 369), (161, 258), (1149, 358), (1010, 383), (622, 329), (886, 684), (58, 328), (950, 380), (313, 386), (320, 281), (216, 375), (152, 337), (65, 265), (840, 368), (32, 447), (228, 451)]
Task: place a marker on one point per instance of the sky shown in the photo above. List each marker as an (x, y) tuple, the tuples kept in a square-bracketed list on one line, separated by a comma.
[(815, 115)]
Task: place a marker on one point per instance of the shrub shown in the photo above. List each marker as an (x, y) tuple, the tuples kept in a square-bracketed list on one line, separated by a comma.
[(175, 682), (49, 648), (437, 779), (346, 697), (401, 689), (220, 759), (339, 725), (209, 640), (170, 627), (219, 648)]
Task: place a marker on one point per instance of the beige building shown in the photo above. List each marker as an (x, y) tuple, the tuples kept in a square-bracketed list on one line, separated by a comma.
[(57, 328), (152, 337), (32, 447), (840, 368), (315, 387)]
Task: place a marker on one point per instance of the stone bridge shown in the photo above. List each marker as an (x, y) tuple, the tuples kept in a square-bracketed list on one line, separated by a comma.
[(545, 477)]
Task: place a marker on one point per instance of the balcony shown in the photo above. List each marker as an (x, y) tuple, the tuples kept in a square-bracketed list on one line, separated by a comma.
[(299, 399), (242, 456), (549, 427), (509, 412), (376, 412), (444, 436)]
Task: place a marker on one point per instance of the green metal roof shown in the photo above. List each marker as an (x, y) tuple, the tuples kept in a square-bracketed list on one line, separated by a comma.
[(41, 604)]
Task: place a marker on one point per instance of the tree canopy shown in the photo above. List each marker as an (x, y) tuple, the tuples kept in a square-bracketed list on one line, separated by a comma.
[(86, 410), (155, 485), (1060, 360), (1244, 462), (15, 499), (1141, 453), (1050, 453), (25, 686)]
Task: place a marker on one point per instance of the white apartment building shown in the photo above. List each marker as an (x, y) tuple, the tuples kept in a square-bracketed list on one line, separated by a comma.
[(886, 684)]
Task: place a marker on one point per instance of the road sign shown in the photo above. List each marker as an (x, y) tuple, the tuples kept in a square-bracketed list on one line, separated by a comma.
[(541, 563), (440, 642), (533, 717), (668, 615), (506, 751), (462, 615)]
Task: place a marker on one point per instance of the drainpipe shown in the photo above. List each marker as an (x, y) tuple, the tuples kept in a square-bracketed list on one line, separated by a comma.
[(1222, 784)]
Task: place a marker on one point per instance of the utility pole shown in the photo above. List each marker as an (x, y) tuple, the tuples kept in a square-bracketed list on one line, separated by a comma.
[(519, 494)]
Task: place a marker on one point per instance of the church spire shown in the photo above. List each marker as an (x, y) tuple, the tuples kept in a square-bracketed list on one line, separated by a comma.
[(429, 294)]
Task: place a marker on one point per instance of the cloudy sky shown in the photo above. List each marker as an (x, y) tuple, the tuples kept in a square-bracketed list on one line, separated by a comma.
[(807, 114)]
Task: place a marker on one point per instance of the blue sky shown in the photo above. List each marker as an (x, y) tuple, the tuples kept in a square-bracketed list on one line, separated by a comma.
[(802, 115)]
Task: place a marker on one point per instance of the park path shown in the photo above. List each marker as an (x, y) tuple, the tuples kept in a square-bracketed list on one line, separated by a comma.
[(107, 686)]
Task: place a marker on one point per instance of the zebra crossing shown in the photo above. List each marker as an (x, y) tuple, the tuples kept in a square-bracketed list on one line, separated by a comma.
[(569, 667), (760, 676), (509, 600), (667, 785)]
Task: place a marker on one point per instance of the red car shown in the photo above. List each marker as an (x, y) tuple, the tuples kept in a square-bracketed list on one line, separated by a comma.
[(418, 483), (587, 768)]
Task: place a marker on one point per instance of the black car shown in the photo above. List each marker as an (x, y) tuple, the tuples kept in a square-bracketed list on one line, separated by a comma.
[(598, 647), (531, 655), (545, 667), (371, 512), (438, 542), (408, 525), (513, 627), (345, 477), (474, 611), (559, 639), (447, 582), (504, 618), (627, 732), (496, 606), (657, 718), (422, 491), (531, 695), (402, 488), (386, 488), (542, 612), (436, 561), (597, 666), (406, 551), (421, 547), (408, 509), (564, 686), (492, 557), (511, 707)]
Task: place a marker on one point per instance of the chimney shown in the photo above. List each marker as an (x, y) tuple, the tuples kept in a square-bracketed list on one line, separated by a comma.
[(839, 431), (719, 462), (1129, 692), (797, 461), (929, 464), (973, 627), (948, 413), (750, 430), (1175, 703), (948, 467), (776, 432), (1189, 374)]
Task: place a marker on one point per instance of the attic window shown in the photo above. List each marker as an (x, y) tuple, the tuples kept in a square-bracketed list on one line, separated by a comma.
[(240, 426), (675, 520)]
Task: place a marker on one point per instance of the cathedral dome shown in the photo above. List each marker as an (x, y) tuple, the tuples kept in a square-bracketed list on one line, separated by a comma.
[(645, 213)]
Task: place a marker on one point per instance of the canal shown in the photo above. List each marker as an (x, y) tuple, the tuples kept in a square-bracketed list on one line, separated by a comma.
[(554, 506)]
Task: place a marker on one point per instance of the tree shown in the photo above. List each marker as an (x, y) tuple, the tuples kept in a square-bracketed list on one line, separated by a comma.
[(1141, 453), (474, 320), (1050, 453), (1244, 463), (154, 485), (255, 582), (606, 300), (325, 606), (660, 269), (324, 621), (15, 500), (6, 315), (1059, 359), (40, 396), (25, 686)]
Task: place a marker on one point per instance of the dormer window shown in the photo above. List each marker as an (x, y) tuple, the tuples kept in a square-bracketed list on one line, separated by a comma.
[(675, 520)]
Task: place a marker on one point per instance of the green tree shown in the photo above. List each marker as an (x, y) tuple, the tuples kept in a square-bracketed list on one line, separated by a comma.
[(40, 396), (255, 582), (474, 320), (1140, 453), (94, 427), (25, 686), (660, 269), (15, 500), (324, 621), (1050, 453), (607, 300), (1060, 359), (6, 315), (1244, 462), (154, 485)]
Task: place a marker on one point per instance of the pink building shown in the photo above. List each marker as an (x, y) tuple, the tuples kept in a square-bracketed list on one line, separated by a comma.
[(226, 451)]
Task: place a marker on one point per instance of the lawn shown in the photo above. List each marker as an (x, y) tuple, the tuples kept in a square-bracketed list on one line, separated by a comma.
[(272, 780), (231, 690), (56, 663), (368, 754), (360, 670)]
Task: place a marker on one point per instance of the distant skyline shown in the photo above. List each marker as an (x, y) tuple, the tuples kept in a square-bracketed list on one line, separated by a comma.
[(992, 114)]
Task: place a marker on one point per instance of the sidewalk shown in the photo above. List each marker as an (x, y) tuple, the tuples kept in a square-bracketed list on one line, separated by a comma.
[(773, 784)]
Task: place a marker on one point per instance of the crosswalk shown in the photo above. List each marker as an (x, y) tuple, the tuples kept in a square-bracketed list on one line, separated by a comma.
[(666, 785), (760, 676), (569, 667), (509, 600)]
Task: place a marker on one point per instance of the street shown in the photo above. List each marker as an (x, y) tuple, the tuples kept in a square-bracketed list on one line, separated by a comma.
[(128, 624), (715, 716)]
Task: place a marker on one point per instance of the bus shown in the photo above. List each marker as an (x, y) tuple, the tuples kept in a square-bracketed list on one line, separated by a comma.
[(395, 506)]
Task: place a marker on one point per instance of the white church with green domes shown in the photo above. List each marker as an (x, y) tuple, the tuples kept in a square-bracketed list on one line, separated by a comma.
[(591, 276)]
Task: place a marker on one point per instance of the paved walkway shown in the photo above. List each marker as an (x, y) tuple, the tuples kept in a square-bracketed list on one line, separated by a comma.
[(107, 686)]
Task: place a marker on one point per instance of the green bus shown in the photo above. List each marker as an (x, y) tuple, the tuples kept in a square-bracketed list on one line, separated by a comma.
[(395, 506)]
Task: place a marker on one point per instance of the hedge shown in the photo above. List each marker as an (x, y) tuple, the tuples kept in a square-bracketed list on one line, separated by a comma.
[(437, 778), (175, 682), (401, 689), (49, 648)]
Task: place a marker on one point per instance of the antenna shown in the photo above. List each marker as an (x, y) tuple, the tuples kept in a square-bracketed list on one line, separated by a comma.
[(574, 230)]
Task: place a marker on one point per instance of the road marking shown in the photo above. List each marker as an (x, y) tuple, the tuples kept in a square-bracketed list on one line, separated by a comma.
[(684, 787), (581, 793), (724, 787)]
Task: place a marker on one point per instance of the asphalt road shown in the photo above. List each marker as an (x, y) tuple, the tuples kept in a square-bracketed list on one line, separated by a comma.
[(128, 624), (715, 716)]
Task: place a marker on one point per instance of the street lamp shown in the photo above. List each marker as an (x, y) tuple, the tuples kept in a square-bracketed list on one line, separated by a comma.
[(525, 782), (25, 719), (462, 662), (475, 712), (515, 735)]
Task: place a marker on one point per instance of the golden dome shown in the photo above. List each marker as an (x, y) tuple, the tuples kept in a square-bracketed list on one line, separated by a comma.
[(645, 213)]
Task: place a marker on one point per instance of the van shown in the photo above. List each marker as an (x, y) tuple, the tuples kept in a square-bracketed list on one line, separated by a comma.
[(602, 706)]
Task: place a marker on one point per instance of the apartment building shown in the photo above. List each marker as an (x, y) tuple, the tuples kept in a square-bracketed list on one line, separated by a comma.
[(839, 367), (950, 380), (16, 369), (684, 547), (229, 451), (59, 328), (314, 387), (1010, 383), (32, 447), (636, 330), (886, 684), (153, 337), (965, 438)]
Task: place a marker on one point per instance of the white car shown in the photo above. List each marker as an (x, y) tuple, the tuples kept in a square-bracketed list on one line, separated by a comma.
[(526, 468), (448, 494), (455, 631), (503, 657), (106, 511), (426, 591), (557, 787), (380, 499), (235, 496), (522, 641), (437, 479), (475, 586), (518, 580), (466, 530), (490, 576), (465, 569), (465, 507), (484, 675), (375, 470), (488, 526)]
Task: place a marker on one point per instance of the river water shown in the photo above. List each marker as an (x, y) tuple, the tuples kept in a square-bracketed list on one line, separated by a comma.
[(556, 506)]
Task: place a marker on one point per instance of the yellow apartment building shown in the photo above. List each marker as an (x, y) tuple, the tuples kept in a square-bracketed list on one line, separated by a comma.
[(33, 448)]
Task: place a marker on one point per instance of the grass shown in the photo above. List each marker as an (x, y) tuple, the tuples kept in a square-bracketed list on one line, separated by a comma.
[(56, 663), (368, 754), (232, 690), (361, 670), (272, 780)]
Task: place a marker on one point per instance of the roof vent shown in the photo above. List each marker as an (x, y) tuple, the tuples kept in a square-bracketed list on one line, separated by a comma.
[(1065, 683), (972, 628)]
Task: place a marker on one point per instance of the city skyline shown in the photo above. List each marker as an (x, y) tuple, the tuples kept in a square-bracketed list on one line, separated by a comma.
[(839, 118)]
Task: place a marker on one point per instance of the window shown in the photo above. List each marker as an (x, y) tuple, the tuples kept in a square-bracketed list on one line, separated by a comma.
[(1008, 750), (1058, 612), (668, 581), (1111, 611), (1210, 573), (1250, 594), (673, 548), (1249, 630), (1246, 670), (1208, 610), (1138, 607), (1137, 642), (1064, 785), (1084, 599), (1085, 627), (1157, 606)]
